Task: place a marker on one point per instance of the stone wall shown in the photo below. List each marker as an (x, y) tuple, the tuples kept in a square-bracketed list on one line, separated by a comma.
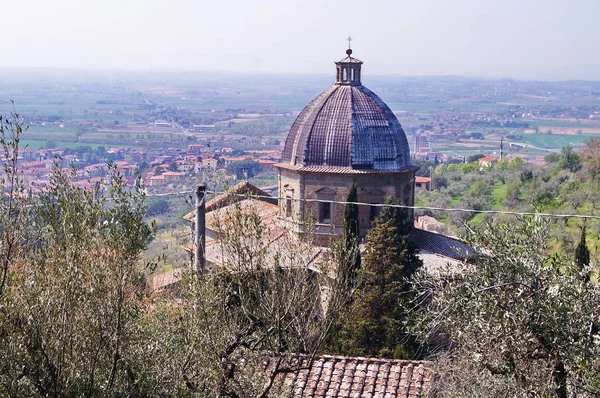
[(372, 188)]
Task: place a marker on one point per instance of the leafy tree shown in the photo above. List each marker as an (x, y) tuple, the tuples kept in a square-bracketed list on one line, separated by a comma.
[(158, 207), (49, 144), (70, 301), (475, 158), (519, 319), (265, 303), (375, 323), (552, 158), (591, 157), (249, 167), (569, 160)]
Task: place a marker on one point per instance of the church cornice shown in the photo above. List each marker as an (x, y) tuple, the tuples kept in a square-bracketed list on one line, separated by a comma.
[(343, 170)]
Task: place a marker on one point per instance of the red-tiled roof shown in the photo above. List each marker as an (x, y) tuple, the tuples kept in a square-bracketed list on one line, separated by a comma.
[(488, 159), (336, 376), (231, 195), (165, 280)]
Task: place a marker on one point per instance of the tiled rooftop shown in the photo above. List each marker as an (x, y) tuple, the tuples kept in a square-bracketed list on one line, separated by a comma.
[(441, 245), (347, 126), (233, 194), (336, 376)]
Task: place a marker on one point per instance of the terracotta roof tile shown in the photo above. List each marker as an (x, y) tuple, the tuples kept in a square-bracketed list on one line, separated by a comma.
[(335, 376), (232, 195)]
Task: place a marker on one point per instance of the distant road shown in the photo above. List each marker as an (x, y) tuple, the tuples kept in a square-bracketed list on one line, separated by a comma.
[(518, 144)]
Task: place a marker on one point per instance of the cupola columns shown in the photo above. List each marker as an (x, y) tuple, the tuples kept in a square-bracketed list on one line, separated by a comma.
[(348, 70)]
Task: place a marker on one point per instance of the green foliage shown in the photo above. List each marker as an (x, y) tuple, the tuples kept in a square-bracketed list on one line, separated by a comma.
[(244, 168), (351, 234), (517, 318), (591, 158), (374, 324), (569, 160), (582, 253), (72, 292), (158, 207), (475, 158), (351, 230), (552, 158)]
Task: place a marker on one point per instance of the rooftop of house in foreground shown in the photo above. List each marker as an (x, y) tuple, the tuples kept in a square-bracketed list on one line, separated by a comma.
[(338, 376)]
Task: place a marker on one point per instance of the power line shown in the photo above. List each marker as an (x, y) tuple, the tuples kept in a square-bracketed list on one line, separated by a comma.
[(463, 210), (162, 195)]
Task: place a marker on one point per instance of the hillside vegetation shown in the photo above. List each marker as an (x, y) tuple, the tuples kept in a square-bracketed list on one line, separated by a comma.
[(568, 183)]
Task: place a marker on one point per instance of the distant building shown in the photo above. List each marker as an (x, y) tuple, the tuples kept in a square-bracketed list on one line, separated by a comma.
[(195, 149), (209, 163), (203, 128), (156, 180), (162, 124), (421, 143), (423, 183), (171, 176), (487, 162)]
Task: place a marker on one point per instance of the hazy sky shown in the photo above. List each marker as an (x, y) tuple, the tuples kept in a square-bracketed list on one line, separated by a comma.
[(530, 39)]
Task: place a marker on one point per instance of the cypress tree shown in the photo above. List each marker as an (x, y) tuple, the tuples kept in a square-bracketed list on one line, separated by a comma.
[(374, 325), (351, 231), (582, 254), (351, 236)]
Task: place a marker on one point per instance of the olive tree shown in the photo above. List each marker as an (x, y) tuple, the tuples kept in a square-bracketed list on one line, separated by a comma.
[(518, 319), (249, 320)]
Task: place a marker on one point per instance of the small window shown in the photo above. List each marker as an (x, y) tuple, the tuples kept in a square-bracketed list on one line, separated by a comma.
[(288, 206), (324, 211)]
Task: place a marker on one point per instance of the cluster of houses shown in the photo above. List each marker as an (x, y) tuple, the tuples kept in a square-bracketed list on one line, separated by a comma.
[(165, 166)]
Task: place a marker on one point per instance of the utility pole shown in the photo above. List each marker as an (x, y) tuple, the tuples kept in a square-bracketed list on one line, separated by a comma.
[(200, 233)]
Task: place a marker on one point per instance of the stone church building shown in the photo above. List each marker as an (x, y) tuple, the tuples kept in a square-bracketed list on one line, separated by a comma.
[(346, 135)]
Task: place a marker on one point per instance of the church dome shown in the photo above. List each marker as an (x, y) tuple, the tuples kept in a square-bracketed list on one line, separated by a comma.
[(347, 126)]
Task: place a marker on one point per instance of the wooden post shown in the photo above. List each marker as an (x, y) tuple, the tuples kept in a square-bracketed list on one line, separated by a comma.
[(200, 233)]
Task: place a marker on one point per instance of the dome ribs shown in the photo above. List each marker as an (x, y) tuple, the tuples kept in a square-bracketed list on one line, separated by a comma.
[(296, 142), (347, 126), (394, 138), (329, 144)]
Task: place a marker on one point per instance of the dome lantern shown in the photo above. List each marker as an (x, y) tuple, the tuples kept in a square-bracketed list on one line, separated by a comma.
[(348, 69), (347, 126)]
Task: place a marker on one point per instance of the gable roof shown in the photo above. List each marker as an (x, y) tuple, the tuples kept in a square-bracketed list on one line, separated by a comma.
[(441, 245), (487, 159), (338, 376), (233, 194)]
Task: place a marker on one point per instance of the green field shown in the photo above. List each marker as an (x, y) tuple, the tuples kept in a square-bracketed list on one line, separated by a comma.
[(555, 123), (557, 141)]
